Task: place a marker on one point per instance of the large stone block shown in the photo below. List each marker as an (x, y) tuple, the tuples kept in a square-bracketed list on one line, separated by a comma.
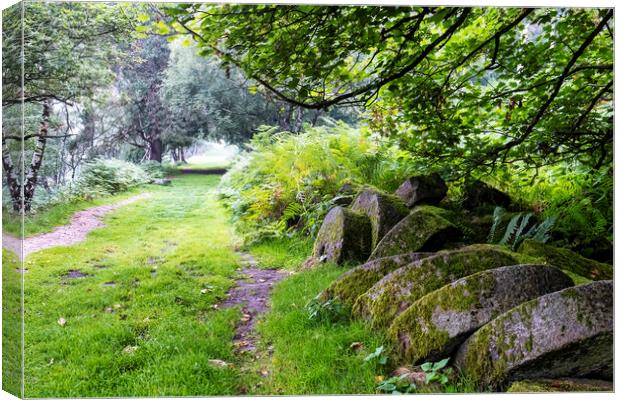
[(344, 236), (425, 229), (393, 294), (566, 333), (423, 189), (434, 326), (356, 281), (384, 211)]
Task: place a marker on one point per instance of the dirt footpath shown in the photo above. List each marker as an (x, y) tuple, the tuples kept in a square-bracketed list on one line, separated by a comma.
[(82, 222)]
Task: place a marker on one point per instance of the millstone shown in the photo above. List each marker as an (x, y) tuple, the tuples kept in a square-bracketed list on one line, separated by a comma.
[(425, 229), (566, 333), (393, 294), (435, 325), (422, 189), (384, 211), (356, 281), (344, 236)]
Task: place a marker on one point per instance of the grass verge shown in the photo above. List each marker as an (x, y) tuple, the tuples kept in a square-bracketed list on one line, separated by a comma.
[(309, 357), (11, 324), (285, 252)]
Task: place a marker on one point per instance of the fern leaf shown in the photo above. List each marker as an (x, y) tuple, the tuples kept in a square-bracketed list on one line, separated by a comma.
[(498, 213), (542, 234), (519, 237), (510, 229)]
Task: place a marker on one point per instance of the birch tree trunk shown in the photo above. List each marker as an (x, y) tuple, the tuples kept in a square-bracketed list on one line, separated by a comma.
[(30, 179)]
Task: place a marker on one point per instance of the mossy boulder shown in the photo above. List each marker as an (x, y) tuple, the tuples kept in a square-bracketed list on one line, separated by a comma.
[(567, 260), (356, 281), (561, 385), (425, 229), (344, 236), (478, 194), (566, 333), (384, 211), (423, 189), (393, 294), (435, 325)]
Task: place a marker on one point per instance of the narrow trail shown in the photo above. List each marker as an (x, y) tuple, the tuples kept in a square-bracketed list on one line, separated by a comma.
[(81, 223), (252, 293)]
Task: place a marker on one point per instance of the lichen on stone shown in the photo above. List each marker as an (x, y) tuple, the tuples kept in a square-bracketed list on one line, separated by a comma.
[(424, 229), (567, 260), (399, 289)]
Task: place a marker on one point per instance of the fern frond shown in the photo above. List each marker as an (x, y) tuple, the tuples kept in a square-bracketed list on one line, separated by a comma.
[(510, 229), (498, 213), (518, 237), (543, 231)]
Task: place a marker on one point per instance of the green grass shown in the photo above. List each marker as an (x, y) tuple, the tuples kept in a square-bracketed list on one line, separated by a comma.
[(11, 324), (309, 357), (160, 253), (59, 214), (286, 252), (205, 165)]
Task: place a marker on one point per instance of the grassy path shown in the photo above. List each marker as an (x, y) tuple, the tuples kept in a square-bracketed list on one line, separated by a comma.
[(138, 309), (137, 297)]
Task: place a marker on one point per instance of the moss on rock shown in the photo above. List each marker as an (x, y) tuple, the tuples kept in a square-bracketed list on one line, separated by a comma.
[(344, 236), (565, 333), (567, 260), (356, 281), (398, 290), (383, 209), (425, 229), (561, 385), (436, 324)]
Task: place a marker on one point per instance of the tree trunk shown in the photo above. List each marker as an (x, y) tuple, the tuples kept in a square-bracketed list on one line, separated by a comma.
[(37, 158), (12, 179), (183, 160), (155, 149)]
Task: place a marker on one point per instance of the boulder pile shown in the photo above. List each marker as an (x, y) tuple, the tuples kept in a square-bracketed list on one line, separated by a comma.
[(502, 317)]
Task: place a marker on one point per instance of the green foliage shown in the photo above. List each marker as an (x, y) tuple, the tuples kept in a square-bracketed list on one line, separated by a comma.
[(378, 355), (435, 371), (107, 177), (397, 385), (289, 181), (285, 252), (516, 232), (464, 87), (330, 311), (156, 169), (580, 197)]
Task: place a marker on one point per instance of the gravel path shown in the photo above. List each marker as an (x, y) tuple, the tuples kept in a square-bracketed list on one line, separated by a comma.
[(82, 222)]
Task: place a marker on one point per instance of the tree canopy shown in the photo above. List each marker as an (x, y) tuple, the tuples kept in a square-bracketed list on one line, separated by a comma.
[(485, 86)]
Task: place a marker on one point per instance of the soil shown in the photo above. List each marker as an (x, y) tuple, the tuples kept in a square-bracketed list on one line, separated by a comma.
[(74, 232), (251, 293)]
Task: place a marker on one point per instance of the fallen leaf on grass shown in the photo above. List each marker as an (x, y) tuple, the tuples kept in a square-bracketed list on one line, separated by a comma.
[(378, 378), (264, 372), (61, 321), (356, 346)]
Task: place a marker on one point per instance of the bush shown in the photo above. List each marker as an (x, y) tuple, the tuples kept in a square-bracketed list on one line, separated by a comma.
[(111, 176), (156, 169), (288, 181)]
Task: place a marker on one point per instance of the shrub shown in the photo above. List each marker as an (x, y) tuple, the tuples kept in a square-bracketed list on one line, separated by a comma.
[(287, 182), (111, 176)]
